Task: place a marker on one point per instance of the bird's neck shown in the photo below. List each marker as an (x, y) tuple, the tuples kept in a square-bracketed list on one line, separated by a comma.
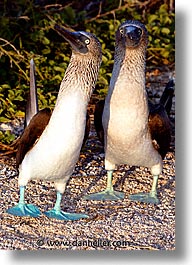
[(128, 76), (81, 74)]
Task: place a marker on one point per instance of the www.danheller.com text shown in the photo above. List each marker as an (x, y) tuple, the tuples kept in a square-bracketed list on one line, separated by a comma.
[(83, 243)]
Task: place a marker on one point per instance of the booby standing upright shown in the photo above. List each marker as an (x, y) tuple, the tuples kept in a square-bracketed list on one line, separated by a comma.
[(55, 153), (127, 133)]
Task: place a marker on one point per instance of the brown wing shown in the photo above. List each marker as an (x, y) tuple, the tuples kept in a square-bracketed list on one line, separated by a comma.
[(31, 133)]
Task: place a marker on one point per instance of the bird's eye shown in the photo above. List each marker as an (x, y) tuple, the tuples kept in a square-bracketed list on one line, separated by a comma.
[(87, 41), (121, 31)]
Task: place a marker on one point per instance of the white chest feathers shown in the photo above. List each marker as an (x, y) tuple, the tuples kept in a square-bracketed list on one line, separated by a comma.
[(55, 154)]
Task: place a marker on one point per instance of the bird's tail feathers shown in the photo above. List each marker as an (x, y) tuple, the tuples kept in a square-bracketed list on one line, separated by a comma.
[(32, 101)]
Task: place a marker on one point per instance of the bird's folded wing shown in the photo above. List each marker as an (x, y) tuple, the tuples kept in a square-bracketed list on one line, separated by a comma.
[(32, 133)]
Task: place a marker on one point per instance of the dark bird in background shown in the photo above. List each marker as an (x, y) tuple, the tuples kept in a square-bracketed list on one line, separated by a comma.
[(98, 113), (50, 145), (167, 97), (159, 122), (133, 129)]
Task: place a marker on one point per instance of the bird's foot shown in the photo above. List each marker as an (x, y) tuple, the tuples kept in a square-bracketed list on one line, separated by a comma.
[(23, 209), (106, 195), (60, 215), (145, 197)]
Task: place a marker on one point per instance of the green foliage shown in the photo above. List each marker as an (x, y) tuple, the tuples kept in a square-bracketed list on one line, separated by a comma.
[(7, 137), (161, 27), (9, 101), (27, 32)]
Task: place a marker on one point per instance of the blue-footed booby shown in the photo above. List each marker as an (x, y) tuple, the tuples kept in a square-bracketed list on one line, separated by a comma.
[(55, 150), (136, 132)]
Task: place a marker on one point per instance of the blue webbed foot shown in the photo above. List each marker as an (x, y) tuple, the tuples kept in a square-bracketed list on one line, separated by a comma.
[(60, 215), (22, 209), (56, 212), (145, 197), (150, 197), (106, 195), (109, 194)]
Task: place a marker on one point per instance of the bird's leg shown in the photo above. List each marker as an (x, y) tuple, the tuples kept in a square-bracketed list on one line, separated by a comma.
[(56, 212), (109, 194), (153, 192), (22, 195), (150, 197), (57, 206), (109, 181), (23, 209)]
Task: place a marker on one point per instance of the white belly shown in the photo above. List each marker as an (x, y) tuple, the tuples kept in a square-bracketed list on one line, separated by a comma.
[(55, 154), (127, 138)]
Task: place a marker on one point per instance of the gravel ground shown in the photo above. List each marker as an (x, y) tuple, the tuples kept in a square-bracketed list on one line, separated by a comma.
[(120, 225)]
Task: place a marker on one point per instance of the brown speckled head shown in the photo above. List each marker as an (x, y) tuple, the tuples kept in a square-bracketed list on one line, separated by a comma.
[(85, 59), (81, 42)]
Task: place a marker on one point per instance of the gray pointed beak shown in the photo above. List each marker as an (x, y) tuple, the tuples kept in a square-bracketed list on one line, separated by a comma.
[(133, 35), (73, 37)]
